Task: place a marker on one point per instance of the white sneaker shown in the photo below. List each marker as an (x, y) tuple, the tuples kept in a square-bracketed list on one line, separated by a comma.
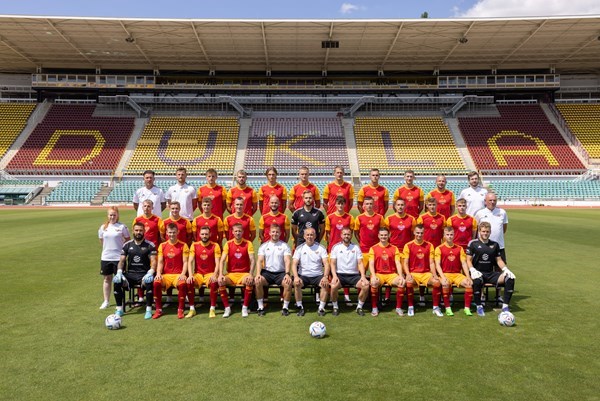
[(244, 311), (437, 311), (411, 311), (399, 312), (104, 305), (227, 312)]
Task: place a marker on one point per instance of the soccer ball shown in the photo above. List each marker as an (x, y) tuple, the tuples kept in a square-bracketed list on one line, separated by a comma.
[(317, 330), (113, 322), (506, 319)]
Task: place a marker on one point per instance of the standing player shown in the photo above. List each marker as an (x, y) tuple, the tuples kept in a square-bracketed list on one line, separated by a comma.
[(241, 190), (401, 227), (296, 194), (310, 267), (307, 217), (149, 192), (444, 197), (273, 217), (271, 188), (184, 227), (419, 268), (433, 222), (136, 267), (238, 260), (497, 218), (452, 269), (347, 269), (386, 269), (112, 235), (171, 271), (474, 194), (273, 267), (239, 217), (184, 194), (213, 191), (366, 228), (379, 193), (412, 194), (203, 270), (483, 259), (336, 222), (150, 221), (338, 187), (465, 226), (208, 219)]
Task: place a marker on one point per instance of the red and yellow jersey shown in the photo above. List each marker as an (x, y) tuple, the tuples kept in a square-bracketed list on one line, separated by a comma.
[(173, 256), (434, 227), (218, 196), (450, 258), (368, 230), (464, 228), (412, 197), (419, 256), (266, 220), (384, 258), (333, 190), (380, 195), (213, 222), (401, 229), (333, 226), (238, 256), (151, 227), (184, 226), (246, 221), (267, 191), (295, 194), (445, 200), (204, 256), (249, 195)]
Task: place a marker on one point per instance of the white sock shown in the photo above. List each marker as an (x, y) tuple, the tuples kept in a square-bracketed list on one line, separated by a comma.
[(335, 305), (212, 308), (321, 305), (261, 303), (148, 309), (299, 304), (119, 308), (192, 307), (286, 304), (361, 304), (347, 298)]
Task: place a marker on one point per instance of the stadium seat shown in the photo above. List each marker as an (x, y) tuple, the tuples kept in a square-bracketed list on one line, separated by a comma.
[(13, 118), (584, 122)]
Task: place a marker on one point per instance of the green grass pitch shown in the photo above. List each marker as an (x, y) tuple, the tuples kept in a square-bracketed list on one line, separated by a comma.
[(54, 345)]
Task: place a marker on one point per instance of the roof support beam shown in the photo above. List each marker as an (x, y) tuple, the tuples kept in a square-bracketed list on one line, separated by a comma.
[(531, 35), (136, 45), (16, 50), (70, 43), (387, 55), (585, 44), (326, 61), (458, 43), (264, 38), (202, 49)]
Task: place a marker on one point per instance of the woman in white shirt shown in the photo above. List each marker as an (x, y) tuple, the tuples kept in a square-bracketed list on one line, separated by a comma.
[(112, 235)]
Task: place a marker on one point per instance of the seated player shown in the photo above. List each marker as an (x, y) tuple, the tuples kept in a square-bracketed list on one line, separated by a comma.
[(239, 217), (274, 216), (136, 267), (483, 259), (310, 267), (171, 271), (273, 267), (451, 266), (152, 224), (465, 226), (237, 266), (386, 269), (203, 271), (347, 269), (419, 269)]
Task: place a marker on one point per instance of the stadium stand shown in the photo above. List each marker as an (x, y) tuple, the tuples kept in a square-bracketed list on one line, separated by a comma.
[(521, 140), (79, 191), (290, 143), (197, 143), (13, 118), (546, 189), (13, 192), (396, 144), (123, 191), (70, 140), (584, 122)]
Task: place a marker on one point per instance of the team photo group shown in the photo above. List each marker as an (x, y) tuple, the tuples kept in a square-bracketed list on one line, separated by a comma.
[(434, 241)]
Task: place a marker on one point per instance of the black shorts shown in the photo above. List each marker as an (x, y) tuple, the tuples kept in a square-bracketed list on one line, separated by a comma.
[(133, 279), (273, 278), (490, 277), (314, 281), (108, 267), (348, 280)]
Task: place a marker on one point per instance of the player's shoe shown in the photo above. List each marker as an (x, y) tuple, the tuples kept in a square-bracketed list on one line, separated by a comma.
[(468, 312), (336, 312), (212, 314), (157, 314), (449, 312), (480, 311), (300, 311), (148, 315), (180, 314), (139, 300), (227, 312), (119, 312), (348, 301), (261, 312), (244, 311), (104, 305), (321, 312), (437, 311), (421, 301), (411, 311), (190, 314), (505, 309), (375, 312), (399, 312), (360, 312), (285, 312)]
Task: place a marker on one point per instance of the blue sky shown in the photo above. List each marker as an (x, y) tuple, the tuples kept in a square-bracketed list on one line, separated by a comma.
[(304, 9)]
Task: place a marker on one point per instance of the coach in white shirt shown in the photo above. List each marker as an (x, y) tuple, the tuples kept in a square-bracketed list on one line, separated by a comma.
[(184, 194), (474, 194), (497, 218), (152, 192)]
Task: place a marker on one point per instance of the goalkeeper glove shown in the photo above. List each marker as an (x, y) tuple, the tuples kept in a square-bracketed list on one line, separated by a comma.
[(508, 273), (475, 274), (118, 277), (149, 277)]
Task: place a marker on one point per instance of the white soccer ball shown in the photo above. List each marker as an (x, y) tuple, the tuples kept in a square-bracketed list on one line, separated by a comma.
[(317, 330), (113, 322), (506, 319)]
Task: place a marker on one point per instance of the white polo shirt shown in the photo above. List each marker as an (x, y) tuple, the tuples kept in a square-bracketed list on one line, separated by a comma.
[(113, 238), (155, 194), (311, 259), (346, 257), (184, 194), (497, 218), (475, 199), (274, 253)]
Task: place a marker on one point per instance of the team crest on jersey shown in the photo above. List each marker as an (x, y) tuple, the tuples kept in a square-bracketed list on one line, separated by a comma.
[(409, 197), (442, 201), (203, 256), (339, 226), (401, 227), (451, 257), (171, 254), (462, 229), (433, 226), (420, 254), (370, 226), (375, 198), (237, 254), (384, 256)]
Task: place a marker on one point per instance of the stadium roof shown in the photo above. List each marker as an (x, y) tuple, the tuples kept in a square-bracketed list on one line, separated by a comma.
[(569, 44)]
